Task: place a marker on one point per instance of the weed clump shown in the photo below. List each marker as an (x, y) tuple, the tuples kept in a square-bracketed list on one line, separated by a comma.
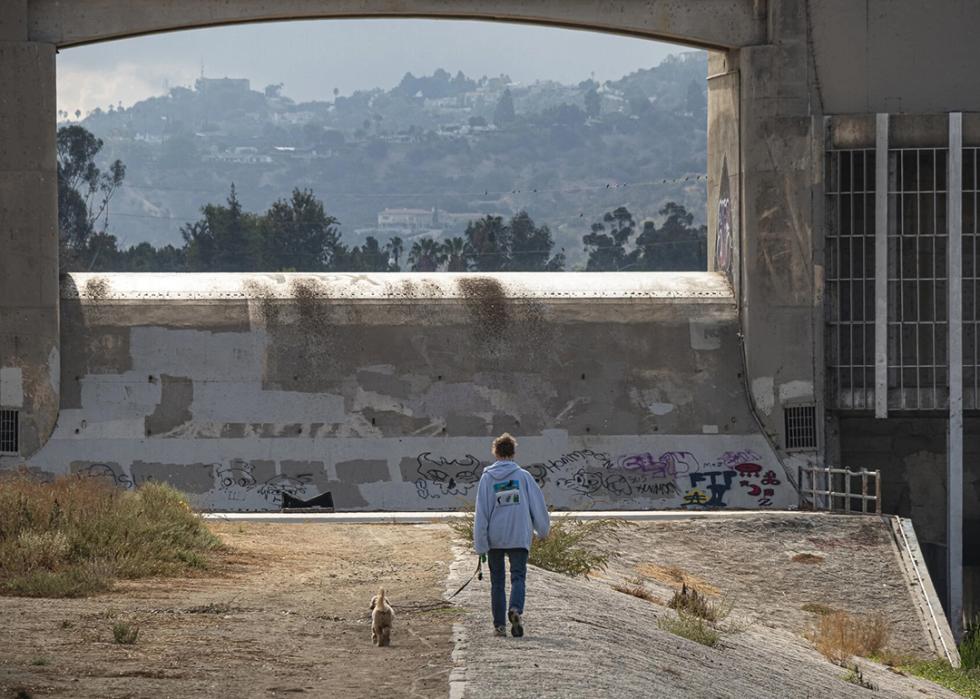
[(73, 536), (691, 601), (691, 627), (839, 636), (573, 547), (855, 676), (124, 633)]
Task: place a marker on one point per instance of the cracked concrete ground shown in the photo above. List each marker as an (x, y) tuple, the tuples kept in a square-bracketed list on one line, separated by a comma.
[(586, 639)]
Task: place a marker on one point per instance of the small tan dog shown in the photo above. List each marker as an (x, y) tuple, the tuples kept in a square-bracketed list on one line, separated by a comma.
[(381, 617)]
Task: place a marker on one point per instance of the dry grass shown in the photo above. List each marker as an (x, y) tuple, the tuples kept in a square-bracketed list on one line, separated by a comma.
[(677, 578), (636, 588), (808, 558), (841, 635), (74, 536)]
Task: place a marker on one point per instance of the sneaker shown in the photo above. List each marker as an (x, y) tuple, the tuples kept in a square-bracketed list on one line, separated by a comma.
[(500, 631), (516, 627)]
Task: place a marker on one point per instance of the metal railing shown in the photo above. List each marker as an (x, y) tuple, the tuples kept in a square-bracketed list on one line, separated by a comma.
[(825, 487)]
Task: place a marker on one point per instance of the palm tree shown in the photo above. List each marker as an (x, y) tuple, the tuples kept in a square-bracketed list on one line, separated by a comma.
[(395, 248), (455, 252), (426, 255)]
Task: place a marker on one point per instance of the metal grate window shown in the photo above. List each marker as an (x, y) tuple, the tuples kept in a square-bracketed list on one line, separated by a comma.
[(850, 283), (971, 278), (8, 432), (801, 427), (918, 377)]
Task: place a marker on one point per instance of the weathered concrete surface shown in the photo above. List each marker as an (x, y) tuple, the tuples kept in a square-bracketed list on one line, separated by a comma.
[(718, 23), (28, 230), (386, 389), (869, 55), (585, 639), (911, 453)]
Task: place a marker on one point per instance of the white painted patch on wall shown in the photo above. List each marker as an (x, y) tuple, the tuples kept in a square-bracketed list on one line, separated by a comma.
[(709, 429), (763, 394), (793, 390), (231, 401), (54, 370), (705, 336), (11, 387), (661, 408)]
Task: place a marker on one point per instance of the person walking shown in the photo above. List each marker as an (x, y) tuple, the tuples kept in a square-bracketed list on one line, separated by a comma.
[(509, 508)]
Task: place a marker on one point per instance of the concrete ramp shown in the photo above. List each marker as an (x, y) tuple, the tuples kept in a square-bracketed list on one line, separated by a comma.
[(586, 639)]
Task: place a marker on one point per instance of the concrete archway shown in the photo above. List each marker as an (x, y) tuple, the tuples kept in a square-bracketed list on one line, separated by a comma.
[(706, 23)]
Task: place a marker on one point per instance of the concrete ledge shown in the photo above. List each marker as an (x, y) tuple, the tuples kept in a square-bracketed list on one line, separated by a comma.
[(388, 287), (434, 517)]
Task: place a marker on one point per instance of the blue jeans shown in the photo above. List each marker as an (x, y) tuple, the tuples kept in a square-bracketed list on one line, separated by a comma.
[(498, 595)]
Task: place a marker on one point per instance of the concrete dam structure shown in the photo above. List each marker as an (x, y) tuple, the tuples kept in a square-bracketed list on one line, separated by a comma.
[(838, 322), (384, 389)]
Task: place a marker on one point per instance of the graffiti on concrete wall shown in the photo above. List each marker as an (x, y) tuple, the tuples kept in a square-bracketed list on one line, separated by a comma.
[(236, 482), (724, 236), (588, 478), (113, 475), (440, 476)]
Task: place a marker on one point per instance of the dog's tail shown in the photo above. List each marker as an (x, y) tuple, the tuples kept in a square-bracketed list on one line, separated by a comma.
[(380, 603)]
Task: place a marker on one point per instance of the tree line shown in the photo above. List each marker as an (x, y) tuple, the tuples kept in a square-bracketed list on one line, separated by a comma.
[(297, 234)]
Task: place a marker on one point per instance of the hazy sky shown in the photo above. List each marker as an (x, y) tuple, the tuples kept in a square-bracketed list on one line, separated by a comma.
[(312, 58)]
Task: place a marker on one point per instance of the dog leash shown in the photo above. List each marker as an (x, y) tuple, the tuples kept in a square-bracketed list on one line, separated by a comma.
[(478, 574)]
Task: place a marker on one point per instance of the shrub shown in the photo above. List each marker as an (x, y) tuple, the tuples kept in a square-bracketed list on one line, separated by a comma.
[(840, 635), (573, 547), (690, 627), (124, 633), (73, 536)]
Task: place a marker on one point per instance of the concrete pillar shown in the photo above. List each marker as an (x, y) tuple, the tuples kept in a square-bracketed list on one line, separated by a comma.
[(781, 146), (29, 340)]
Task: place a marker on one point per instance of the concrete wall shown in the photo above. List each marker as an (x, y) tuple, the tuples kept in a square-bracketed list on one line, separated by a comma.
[(911, 453), (386, 389), (895, 55), (28, 229)]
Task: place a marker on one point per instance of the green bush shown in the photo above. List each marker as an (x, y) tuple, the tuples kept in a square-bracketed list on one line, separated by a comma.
[(74, 536)]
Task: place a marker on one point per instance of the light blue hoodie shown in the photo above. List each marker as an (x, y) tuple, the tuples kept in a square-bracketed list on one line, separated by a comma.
[(509, 504)]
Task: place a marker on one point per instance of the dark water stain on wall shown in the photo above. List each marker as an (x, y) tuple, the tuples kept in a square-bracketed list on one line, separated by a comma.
[(174, 409)]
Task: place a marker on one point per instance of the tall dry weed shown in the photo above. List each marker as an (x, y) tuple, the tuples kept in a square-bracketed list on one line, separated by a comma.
[(839, 636), (73, 536)]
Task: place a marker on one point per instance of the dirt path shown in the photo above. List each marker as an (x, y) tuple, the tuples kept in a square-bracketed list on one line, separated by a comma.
[(287, 616)]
